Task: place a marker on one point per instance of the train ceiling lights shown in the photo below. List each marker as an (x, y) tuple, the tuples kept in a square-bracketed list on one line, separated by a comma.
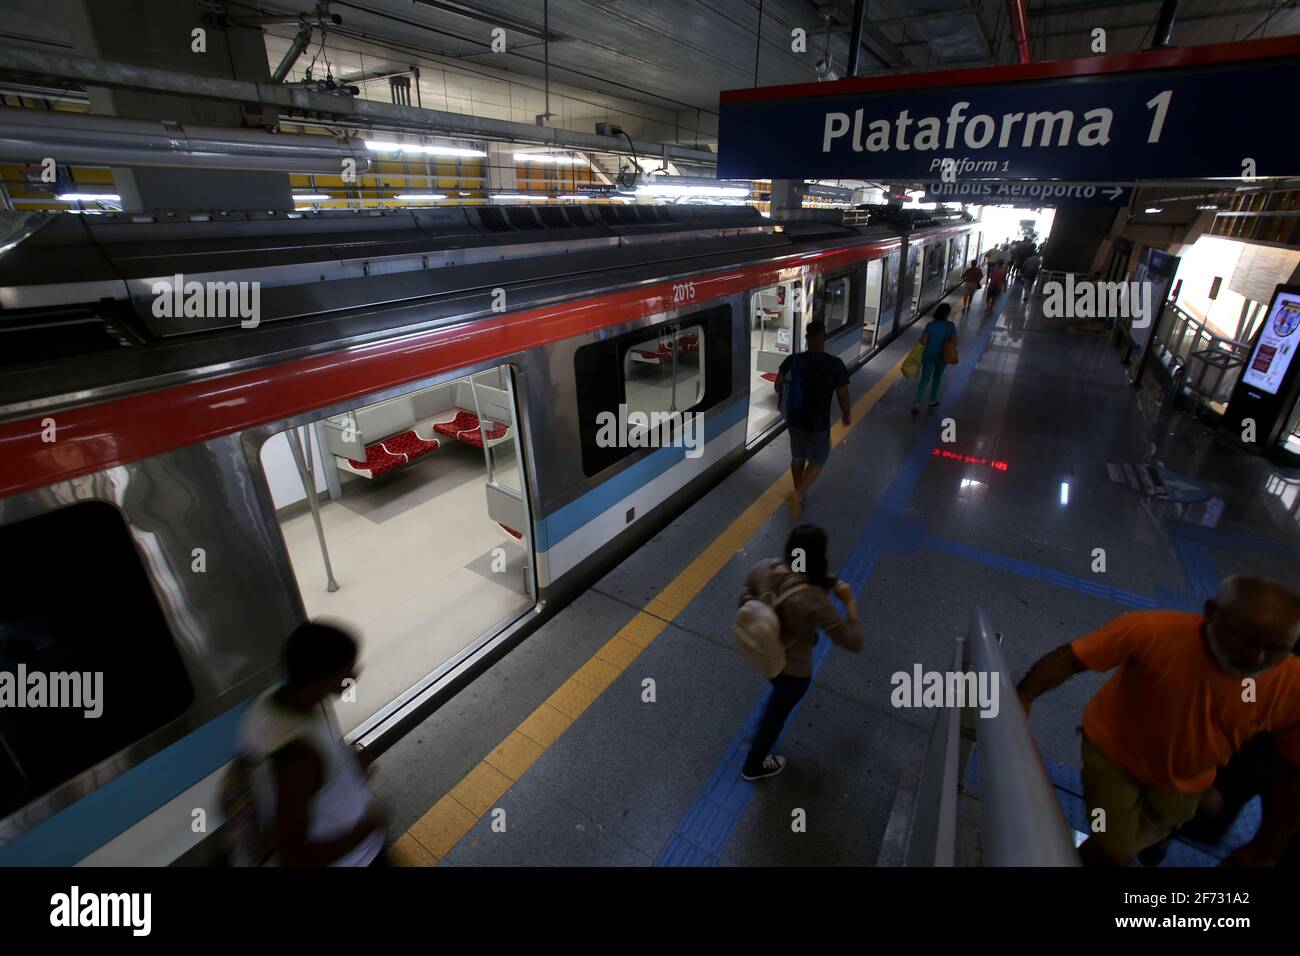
[(419, 197)]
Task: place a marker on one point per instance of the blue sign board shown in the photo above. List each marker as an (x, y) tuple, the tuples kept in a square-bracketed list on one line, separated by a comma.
[(1218, 111), (982, 193)]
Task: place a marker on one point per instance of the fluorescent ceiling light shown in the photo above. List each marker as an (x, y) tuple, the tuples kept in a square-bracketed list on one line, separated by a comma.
[(89, 197), (310, 197), (383, 146), (518, 196), (667, 189), (579, 196), (560, 159), (1065, 492), (1151, 209), (1207, 207), (419, 197)]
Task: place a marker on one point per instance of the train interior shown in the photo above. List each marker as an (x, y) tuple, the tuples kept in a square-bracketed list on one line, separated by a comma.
[(423, 520)]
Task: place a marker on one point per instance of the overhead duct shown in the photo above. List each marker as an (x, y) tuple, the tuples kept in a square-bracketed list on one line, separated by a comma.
[(31, 135), (26, 64)]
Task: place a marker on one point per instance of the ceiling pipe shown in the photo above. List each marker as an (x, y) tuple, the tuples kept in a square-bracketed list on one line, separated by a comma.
[(301, 40), (1019, 28), (1164, 24), (26, 64), (28, 136), (855, 40)]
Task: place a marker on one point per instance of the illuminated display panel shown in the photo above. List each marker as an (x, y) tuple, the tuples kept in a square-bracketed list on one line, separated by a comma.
[(1276, 346)]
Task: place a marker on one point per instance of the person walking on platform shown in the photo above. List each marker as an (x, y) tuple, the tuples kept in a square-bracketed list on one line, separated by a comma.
[(805, 384), (1187, 690), (313, 803), (970, 282), (997, 282), (940, 342), (1029, 269), (801, 578)]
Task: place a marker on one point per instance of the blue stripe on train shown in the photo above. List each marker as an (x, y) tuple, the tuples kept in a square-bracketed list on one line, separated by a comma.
[(558, 526), (79, 830)]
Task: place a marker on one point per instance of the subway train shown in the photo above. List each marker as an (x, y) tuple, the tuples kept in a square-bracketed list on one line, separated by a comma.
[(214, 427)]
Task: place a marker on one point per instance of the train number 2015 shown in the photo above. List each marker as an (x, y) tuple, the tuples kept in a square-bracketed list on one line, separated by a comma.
[(683, 291)]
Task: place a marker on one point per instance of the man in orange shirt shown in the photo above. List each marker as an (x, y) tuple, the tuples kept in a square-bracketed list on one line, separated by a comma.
[(1187, 692)]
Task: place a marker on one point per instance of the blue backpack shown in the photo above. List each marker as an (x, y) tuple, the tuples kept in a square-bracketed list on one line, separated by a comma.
[(791, 399)]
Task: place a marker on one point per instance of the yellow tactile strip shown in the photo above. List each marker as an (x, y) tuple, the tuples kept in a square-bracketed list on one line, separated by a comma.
[(432, 836)]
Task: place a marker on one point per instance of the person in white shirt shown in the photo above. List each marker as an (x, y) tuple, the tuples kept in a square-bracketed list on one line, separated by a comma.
[(313, 803)]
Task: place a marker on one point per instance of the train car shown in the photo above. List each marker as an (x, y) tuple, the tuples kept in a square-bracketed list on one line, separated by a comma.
[(214, 428)]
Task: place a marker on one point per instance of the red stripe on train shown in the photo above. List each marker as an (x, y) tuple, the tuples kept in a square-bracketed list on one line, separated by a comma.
[(91, 438)]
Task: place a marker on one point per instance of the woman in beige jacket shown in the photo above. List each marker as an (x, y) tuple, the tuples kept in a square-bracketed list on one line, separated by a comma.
[(807, 608)]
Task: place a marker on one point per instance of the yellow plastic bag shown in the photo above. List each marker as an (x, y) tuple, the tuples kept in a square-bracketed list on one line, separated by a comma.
[(912, 363)]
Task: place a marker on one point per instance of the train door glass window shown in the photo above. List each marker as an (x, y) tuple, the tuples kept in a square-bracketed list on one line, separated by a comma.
[(774, 315), (84, 644), (918, 280), (871, 306), (935, 256), (665, 371), (424, 543), (831, 307)]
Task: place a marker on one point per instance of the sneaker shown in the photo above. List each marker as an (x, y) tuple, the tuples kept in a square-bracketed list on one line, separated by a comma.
[(771, 767)]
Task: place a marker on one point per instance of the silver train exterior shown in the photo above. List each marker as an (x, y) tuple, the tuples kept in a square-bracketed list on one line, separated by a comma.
[(157, 423)]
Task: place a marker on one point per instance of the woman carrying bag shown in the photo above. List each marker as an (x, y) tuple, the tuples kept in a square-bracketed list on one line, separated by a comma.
[(804, 588), (939, 344)]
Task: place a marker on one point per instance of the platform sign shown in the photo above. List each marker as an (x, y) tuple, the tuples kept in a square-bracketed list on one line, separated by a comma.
[(1213, 111), (1266, 392), (1028, 193)]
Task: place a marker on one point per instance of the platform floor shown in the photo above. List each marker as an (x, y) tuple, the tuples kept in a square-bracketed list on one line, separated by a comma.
[(556, 757)]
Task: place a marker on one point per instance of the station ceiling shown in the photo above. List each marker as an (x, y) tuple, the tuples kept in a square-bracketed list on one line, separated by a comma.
[(680, 54)]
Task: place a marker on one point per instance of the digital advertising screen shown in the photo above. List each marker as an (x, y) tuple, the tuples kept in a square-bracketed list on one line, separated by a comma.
[(1276, 346)]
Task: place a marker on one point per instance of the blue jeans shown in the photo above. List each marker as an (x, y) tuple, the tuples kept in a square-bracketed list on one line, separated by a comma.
[(931, 369), (787, 691)]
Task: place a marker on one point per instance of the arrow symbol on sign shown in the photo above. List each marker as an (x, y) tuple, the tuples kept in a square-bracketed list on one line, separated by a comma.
[(1113, 192)]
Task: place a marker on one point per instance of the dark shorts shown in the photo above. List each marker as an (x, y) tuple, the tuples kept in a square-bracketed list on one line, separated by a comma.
[(813, 447)]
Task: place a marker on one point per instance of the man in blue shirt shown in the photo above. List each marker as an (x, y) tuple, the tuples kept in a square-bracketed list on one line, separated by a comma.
[(814, 376)]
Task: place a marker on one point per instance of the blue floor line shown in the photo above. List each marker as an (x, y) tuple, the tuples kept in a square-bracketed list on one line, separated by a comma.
[(702, 834), (1038, 572)]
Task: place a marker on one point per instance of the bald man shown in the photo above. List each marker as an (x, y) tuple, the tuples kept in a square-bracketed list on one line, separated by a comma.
[(1187, 691)]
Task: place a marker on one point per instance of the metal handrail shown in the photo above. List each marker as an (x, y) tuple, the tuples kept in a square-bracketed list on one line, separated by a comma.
[(1187, 338), (1021, 822), (937, 790)]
